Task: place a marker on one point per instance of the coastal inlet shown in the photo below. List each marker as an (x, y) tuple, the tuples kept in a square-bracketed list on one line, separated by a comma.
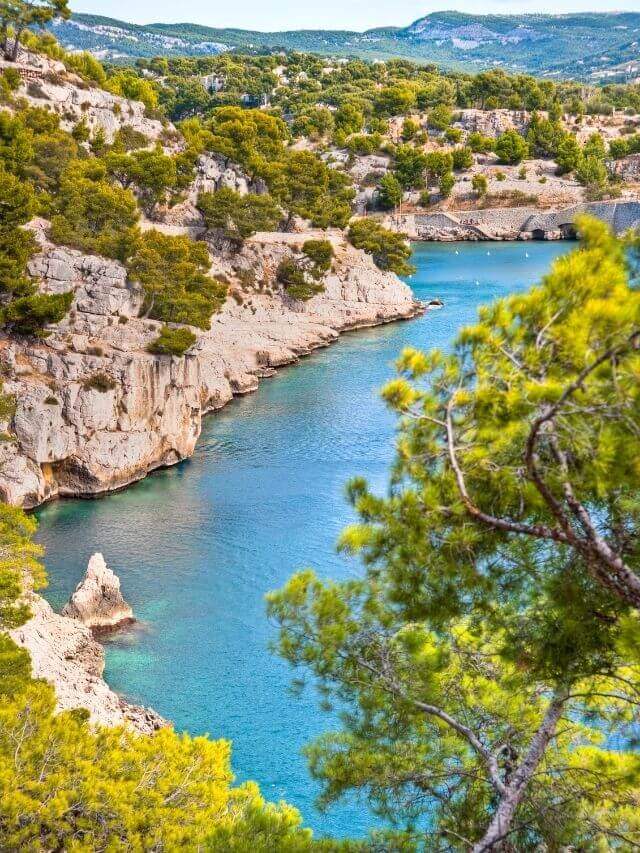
[(197, 546)]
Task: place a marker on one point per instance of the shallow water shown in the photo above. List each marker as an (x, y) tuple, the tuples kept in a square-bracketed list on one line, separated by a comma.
[(197, 546)]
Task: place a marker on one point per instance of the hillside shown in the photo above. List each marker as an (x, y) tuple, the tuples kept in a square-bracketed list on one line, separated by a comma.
[(587, 46)]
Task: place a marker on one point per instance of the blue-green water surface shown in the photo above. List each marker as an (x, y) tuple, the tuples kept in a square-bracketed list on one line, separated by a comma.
[(197, 546)]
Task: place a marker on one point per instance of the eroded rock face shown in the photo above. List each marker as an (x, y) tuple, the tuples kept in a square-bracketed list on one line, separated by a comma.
[(95, 411), (64, 653), (97, 601), (47, 83)]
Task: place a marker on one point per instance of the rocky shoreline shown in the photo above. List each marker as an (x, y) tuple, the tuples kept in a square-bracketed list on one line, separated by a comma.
[(96, 412), (65, 653)]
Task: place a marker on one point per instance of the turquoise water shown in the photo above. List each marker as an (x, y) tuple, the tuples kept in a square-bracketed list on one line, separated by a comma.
[(197, 546)]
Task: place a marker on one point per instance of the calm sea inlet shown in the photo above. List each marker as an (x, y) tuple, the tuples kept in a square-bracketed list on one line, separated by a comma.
[(197, 546)]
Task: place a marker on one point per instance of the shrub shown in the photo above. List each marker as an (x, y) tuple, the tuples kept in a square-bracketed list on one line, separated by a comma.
[(239, 216), (440, 117), (12, 78), (388, 249), (172, 341), (320, 253), (500, 176), (480, 144), (591, 172), (462, 158), (81, 132), (246, 277), (446, 184), (389, 192), (28, 315), (296, 281), (511, 148), (94, 216), (479, 184), (438, 162), (409, 129), (51, 401), (453, 134), (99, 381), (128, 139), (410, 164)]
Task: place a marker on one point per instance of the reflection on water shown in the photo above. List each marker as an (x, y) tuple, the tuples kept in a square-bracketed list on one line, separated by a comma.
[(197, 546)]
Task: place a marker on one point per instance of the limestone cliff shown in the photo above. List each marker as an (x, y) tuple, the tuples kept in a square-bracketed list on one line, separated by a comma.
[(96, 411)]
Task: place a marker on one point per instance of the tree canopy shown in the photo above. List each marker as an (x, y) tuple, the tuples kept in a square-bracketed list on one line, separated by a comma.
[(487, 663)]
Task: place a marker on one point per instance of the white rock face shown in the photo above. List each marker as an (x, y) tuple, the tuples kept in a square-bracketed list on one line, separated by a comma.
[(97, 601), (64, 653), (79, 436), (50, 85)]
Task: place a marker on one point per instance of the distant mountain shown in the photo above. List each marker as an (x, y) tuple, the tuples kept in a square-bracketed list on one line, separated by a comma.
[(586, 45)]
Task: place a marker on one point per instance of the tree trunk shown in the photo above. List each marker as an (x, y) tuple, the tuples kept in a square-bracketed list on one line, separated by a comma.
[(500, 825)]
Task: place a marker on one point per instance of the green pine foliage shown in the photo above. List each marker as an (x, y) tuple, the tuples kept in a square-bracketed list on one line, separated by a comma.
[(174, 275), (486, 662), (320, 254), (239, 216), (298, 282), (389, 250)]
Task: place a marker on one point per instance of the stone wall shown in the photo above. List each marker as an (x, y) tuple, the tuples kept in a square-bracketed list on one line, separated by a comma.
[(512, 223)]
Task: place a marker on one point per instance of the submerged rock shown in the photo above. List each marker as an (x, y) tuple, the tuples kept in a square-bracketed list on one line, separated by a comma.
[(97, 601)]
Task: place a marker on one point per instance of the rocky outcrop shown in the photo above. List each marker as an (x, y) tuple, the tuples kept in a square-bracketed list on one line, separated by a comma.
[(95, 411), (97, 601), (493, 122), (212, 172), (64, 653), (47, 83)]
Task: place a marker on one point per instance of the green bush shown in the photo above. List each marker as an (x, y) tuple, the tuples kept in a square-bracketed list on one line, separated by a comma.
[(28, 315), (173, 272), (172, 341), (389, 192), (480, 144), (238, 216), (99, 381), (440, 117), (479, 184), (511, 148), (438, 162), (388, 249), (462, 158), (296, 280), (446, 184), (320, 253), (409, 167), (94, 216), (12, 78)]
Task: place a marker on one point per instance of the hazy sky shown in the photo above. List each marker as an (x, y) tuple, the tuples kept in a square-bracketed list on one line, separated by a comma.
[(321, 14)]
